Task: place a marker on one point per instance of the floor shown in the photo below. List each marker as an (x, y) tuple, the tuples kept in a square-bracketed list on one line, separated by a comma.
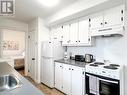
[(21, 72), (46, 90)]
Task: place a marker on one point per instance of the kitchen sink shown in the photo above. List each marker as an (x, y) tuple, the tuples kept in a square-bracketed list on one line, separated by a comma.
[(9, 82)]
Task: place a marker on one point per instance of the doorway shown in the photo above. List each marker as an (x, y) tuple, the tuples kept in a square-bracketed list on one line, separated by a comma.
[(13, 47)]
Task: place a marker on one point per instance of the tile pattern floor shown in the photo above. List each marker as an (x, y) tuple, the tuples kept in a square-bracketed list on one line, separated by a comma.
[(46, 90)]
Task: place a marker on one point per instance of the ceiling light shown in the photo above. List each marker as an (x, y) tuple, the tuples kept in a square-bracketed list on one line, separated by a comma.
[(49, 3)]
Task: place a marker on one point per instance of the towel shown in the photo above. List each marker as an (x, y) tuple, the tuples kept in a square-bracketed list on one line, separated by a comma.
[(93, 84)]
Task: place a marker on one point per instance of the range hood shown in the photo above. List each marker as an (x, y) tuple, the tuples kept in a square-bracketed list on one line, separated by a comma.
[(107, 31)]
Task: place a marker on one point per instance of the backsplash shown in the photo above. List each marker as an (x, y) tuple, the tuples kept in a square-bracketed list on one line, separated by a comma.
[(96, 50), (106, 48)]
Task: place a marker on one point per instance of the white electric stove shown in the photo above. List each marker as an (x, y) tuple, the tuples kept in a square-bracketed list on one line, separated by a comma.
[(104, 79), (109, 70)]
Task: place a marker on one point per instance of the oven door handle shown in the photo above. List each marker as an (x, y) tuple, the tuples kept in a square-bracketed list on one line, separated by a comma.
[(115, 82), (89, 75)]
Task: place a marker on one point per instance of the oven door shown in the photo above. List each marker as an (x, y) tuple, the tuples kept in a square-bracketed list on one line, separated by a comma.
[(109, 87), (91, 84)]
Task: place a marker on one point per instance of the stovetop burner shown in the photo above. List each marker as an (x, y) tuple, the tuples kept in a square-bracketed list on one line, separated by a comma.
[(99, 63), (94, 65), (116, 65), (111, 67)]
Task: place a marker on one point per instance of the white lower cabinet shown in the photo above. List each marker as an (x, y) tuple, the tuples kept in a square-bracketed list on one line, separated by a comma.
[(66, 79), (77, 81), (69, 79), (58, 76)]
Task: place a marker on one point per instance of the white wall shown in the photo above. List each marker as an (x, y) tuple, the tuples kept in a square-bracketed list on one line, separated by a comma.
[(42, 34), (10, 35), (13, 25)]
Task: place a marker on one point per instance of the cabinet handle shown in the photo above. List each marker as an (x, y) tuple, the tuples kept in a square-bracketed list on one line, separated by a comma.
[(121, 18), (101, 23), (89, 25), (83, 72), (79, 41), (76, 41), (89, 39), (104, 29), (60, 66), (89, 20), (55, 38), (106, 23), (33, 58), (72, 69), (122, 11), (123, 28)]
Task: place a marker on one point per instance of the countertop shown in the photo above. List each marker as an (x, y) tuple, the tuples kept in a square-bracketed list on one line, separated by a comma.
[(72, 62), (26, 89)]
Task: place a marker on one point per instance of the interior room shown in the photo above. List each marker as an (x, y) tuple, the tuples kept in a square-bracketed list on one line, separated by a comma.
[(63, 47), (13, 46)]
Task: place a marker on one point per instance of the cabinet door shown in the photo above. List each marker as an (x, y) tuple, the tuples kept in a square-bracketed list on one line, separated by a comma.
[(113, 16), (66, 34), (77, 81), (56, 33), (74, 33), (67, 79), (58, 76), (83, 37), (96, 21)]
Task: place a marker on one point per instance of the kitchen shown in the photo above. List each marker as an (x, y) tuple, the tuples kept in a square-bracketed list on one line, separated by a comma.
[(79, 48)]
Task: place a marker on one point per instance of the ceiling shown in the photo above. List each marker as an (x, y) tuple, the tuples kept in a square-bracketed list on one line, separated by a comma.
[(28, 9)]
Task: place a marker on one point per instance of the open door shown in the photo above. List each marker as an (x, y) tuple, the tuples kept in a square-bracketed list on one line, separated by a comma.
[(32, 55)]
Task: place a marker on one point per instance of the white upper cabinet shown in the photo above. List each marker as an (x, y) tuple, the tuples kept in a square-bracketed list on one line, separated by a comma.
[(77, 81), (66, 34), (96, 21), (109, 22), (77, 34), (74, 33), (83, 33), (114, 16)]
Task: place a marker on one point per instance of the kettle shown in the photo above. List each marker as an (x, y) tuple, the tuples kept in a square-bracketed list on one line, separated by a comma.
[(88, 58)]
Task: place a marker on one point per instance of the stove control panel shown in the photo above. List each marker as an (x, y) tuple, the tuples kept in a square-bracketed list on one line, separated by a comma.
[(115, 74)]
